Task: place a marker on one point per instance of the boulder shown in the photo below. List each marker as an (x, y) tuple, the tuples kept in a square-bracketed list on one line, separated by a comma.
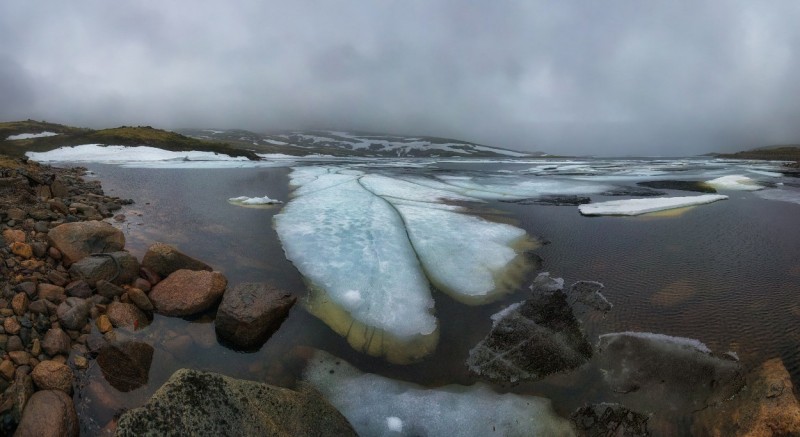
[(80, 239), (164, 259), (250, 313), (56, 342), (49, 413), (205, 403), (188, 292), (766, 406), (117, 267), (126, 365), (126, 315), (73, 313), (535, 338), (52, 375)]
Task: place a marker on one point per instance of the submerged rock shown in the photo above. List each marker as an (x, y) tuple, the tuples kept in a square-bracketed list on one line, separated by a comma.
[(665, 372), (609, 420), (164, 259), (209, 404), (80, 239), (377, 405), (531, 340), (118, 267), (766, 406), (126, 365), (588, 293), (250, 313)]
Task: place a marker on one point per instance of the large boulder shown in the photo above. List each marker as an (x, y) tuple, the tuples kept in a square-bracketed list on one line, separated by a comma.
[(534, 338), (766, 406), (250, 313), (117, 267), (49, 413), (80, 239), (208, 404), (126, 365), (188, 292), (164, 259)]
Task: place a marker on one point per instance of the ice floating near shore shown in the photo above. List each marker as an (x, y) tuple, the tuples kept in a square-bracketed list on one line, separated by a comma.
[(782, 195), (735, 182), (644, 206), (253, 202), (368, 245), (124, 154), (379, 406), (30, 136)]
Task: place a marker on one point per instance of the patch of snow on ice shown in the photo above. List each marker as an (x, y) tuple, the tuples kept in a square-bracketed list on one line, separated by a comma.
[(735, 182), (644, 206), (394, 424)]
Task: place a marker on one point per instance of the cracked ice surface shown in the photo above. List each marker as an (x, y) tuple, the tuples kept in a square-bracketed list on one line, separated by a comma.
[(378, 406), (366, 242)]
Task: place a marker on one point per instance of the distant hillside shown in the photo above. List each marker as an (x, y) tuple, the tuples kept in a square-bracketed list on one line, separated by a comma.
[(351, 144), (19, 137), (789, 152)]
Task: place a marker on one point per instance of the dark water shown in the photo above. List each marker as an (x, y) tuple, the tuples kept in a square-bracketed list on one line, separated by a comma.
[(727, 274)]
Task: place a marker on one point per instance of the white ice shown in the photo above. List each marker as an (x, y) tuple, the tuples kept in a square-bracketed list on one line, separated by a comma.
[(376, 405), (124, 154), (29, 136), (735, 182), (244, 200), (782, 195), (400, 189), (678, 341), (644, 206)]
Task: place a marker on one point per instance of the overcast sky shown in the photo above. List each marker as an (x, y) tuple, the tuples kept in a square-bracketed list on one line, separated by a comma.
[(579, 77)]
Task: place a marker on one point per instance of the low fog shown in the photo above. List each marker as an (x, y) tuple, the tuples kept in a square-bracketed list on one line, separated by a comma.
[(602, 78)]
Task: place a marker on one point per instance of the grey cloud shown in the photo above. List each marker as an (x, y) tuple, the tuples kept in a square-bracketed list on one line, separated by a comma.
[(604, 78)]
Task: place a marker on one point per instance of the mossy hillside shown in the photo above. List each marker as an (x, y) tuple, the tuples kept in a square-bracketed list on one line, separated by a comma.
[(123, 136), (789, 152)]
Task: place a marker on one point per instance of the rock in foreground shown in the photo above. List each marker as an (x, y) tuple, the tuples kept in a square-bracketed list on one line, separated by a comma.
[(250, 313), (208, 404), (765, 407), (49, 413), (188, 292)]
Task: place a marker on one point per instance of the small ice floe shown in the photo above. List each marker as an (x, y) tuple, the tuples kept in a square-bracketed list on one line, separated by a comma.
[(253, 202), (781, 195), (29, 136), (735, 182), (379, 406), (644, 206)]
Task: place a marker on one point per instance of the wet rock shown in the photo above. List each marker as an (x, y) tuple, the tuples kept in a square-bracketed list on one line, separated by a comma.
[(609, 420), (49, 413), (250, 313), (552, 200), (164, 259), (80, 239), (696, 186), (22, 250), (766, 406), (188, 292), (108, 290), (104, 324), (73, 313), (125, 315), (588, 293), (657, 371), (204, 403), (79, 288), (52, 293), (52, 375), (126, 365), (117, 267), (56, 342), (531, 340), (140, 299)]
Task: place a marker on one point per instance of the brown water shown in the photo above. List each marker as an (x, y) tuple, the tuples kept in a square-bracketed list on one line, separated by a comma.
[(727, 274)]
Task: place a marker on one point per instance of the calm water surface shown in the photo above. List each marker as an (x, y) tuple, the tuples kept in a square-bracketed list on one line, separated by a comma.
[(727, 274)]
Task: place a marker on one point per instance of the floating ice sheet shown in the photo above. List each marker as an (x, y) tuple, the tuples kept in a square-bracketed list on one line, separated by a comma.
[(29, 136), (735, 182), (644, 206), (379, 406), (253, 202)]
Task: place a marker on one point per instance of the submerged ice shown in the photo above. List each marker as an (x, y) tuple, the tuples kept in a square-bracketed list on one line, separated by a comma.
[(379, 406), (370, 245)]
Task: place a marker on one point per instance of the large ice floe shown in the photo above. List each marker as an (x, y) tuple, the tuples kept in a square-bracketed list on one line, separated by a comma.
[(735, 183), (379, 406), (644, 206), (370, 245)]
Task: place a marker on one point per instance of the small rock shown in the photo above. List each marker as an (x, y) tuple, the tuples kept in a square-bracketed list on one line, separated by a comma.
[(150, 276), (79, 288), (28, 288), (51, 375), (142, 284), (56, 342), (16, 214), (22, 250), (52, 293), (14, 343), (125, 315), (20, 358), (57, 278), (118, 267), (109, 290), (36, 347), (11, 326), (20, 303), (14, 236), (104, 324), (80, 361), (250, 313), (140, 299), (54, 253), (7, 369), (49, 413), (38, 307), (41, 226), (73, 313), (59, 189), (39, 249), (188, 292), (164, 259)]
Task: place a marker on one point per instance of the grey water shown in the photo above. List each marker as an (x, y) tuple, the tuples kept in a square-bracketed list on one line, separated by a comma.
[(727, 274)]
